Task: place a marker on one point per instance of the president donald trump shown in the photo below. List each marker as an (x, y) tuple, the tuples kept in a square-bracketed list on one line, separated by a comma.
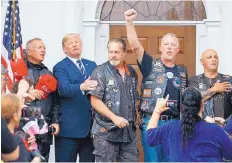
[(72, 74)]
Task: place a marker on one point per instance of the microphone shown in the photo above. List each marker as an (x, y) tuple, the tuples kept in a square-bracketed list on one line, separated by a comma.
[(115, 127)]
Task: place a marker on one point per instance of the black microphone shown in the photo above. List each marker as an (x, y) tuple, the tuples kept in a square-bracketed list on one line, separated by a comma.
[(115, 127)]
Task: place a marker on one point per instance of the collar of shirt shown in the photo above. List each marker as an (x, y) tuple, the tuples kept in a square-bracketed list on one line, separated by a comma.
[(74, 60), (127, 71)]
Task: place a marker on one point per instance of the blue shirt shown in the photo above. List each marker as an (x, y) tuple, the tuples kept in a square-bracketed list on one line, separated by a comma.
[(228, 126), (209, 142)]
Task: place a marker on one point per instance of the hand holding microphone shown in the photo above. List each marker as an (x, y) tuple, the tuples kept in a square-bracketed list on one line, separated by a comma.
[(121, 123)]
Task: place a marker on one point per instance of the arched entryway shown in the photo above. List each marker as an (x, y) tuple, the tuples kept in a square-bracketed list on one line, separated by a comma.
[(152, 25), (152, 10)]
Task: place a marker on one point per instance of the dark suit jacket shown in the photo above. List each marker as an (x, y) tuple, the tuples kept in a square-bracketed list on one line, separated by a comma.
[(75, 108)]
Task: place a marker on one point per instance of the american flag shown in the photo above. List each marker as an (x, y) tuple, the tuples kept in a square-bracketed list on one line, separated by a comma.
[(12, 38)]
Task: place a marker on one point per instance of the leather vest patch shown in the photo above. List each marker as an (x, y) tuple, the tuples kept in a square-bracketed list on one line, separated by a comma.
[(154, 85), (112, 97)]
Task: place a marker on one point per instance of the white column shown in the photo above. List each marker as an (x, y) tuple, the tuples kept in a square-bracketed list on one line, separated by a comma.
[(88, 39), (72, 16), (207, 37), (89, 29), (102, 38), (201, 44), (225, 40), (208, 34)]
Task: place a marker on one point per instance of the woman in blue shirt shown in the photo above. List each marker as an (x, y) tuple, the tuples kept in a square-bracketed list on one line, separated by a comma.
[(189, 139)]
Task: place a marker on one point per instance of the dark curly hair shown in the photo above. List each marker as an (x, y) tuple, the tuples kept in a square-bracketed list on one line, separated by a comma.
[(191, 105)]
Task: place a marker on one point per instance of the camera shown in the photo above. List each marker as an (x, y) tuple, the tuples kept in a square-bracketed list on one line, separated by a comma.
[(172, 103)]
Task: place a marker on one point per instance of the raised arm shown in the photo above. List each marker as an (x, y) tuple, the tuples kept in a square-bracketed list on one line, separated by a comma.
[(137, 48)]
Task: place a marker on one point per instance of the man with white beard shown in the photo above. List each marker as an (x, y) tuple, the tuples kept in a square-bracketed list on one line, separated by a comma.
[(114, 100)]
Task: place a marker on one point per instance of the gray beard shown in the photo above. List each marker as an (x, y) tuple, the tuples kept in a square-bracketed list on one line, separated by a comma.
[(114, 62)]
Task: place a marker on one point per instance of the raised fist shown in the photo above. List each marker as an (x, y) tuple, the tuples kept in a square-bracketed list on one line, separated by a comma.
[(130, 15)]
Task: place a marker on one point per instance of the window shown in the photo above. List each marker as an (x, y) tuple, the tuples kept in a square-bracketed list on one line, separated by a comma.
[(113, 10)]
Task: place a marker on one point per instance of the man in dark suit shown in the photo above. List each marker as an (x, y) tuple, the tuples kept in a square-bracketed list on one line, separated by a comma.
[(72, 74)]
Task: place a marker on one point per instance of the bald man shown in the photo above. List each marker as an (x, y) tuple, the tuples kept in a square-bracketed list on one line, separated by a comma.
[(215, 88)]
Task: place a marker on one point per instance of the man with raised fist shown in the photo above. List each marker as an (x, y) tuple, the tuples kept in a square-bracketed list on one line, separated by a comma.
[(160, 78)]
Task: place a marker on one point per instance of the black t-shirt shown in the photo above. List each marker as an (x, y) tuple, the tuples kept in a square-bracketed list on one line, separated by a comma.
[(217, 99), (171, 89), (8, 141), (172, 75)]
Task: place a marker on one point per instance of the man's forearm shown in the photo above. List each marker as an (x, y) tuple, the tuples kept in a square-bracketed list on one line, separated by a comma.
[(137, 48), (101, 108), (208, 94), (131, 35)]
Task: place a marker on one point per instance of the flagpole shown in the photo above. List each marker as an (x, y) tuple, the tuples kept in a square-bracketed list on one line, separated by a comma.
[(14, 30), (12, 41), (13, 34)]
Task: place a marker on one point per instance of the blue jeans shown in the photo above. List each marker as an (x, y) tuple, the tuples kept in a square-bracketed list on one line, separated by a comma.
[(151, 154)]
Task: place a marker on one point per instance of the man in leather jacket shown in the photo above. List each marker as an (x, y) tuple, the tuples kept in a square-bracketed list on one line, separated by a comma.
[(114, 99), (36, 51), (215, 88), (160, 78)]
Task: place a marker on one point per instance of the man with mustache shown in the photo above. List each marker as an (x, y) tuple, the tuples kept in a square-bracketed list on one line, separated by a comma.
[(36, 51), (72, 74), (114, 102), (215, 88), (160, 78)]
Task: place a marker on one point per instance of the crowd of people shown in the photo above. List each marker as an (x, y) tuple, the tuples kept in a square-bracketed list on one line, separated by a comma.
[(91, 110)]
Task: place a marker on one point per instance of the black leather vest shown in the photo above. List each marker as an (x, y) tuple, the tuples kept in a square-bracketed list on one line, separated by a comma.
[(225, 98), (111, 97), (154, 85)]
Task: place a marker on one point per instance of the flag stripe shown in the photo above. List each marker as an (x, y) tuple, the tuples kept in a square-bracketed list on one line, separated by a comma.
[(12, 38)]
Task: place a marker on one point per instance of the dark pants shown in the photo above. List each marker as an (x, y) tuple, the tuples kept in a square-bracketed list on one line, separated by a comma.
[(66, 149), (106, 151), (44, 149)]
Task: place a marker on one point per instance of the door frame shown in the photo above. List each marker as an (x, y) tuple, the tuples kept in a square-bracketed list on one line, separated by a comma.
[(99, 30)]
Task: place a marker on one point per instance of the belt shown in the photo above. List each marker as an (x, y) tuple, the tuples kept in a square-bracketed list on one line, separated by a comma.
[(162, 117)]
